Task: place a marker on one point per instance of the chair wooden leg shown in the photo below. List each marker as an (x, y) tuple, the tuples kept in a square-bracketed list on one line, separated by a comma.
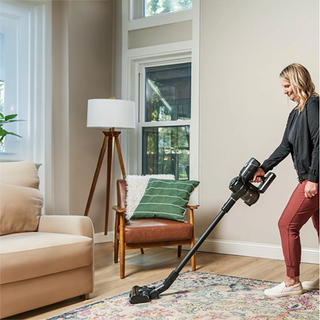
[(122, 262), (116, 250), (179, 251), (122, 249), (193, 258), (193, 263), (141, 250), (116, 240)]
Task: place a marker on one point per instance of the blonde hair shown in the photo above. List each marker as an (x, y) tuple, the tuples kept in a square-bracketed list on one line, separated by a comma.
[(299, 77)]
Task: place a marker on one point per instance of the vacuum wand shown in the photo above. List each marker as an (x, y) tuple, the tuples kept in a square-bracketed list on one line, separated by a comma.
[(241, 188)]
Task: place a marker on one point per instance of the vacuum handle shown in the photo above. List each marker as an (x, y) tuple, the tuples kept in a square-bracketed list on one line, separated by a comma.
[(266, 181)]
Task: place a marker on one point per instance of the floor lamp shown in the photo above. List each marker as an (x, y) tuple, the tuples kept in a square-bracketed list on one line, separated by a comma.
[(106, 115)]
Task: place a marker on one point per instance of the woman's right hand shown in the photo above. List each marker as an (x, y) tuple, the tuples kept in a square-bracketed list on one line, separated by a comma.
[(257, 176)]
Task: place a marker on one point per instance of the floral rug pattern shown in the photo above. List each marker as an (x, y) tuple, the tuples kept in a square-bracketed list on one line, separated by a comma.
[(197, 295)]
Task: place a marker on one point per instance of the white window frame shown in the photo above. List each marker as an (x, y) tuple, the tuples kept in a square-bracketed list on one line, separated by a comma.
[(131, 62)]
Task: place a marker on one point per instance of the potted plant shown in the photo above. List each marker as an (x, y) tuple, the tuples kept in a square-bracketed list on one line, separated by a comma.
[(4, 120)]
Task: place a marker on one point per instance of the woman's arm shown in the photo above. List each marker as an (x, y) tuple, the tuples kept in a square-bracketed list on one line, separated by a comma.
[(313, 125)]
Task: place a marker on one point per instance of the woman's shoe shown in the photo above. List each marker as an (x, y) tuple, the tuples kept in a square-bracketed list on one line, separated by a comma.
[(310, 285), (282, 291)]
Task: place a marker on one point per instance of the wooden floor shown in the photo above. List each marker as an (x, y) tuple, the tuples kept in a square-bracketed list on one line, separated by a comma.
[(157, 264)]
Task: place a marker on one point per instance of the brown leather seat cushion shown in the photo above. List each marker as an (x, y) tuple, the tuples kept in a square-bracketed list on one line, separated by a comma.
[(156, 230)]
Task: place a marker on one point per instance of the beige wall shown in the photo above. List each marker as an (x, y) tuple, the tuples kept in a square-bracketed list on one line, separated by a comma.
[(244, 46), (82, 69)]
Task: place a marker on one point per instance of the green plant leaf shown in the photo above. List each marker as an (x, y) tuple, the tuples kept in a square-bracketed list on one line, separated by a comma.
[(4, 132), (14, 134), (10, 116), (2, 122), (7, 119)]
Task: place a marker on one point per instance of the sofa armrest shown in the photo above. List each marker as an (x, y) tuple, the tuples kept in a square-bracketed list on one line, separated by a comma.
[(79, 225)]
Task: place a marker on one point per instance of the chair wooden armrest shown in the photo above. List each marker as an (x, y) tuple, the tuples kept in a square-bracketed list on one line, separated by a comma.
[(119, 209), (192, 206), (191, 216)]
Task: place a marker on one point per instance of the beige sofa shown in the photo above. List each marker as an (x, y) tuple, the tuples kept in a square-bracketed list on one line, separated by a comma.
[(43, 259)]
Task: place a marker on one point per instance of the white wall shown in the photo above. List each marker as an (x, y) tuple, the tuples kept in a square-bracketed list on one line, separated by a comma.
[(244, 46)]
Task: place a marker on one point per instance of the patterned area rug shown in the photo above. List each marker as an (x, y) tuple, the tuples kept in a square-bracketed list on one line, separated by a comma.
[(197, 295)]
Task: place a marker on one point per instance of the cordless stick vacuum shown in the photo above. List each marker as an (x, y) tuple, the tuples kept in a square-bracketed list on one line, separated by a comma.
[(241, 188)]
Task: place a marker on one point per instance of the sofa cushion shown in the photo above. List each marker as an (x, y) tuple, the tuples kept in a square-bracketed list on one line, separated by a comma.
[(20, 209), (34, 254), (22, 173)]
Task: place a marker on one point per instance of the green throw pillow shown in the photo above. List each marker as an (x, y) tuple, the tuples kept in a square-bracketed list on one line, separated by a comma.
[(165, 199)]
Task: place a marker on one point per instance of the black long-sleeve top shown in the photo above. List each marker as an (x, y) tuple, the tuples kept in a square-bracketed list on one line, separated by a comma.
[(304, 142)]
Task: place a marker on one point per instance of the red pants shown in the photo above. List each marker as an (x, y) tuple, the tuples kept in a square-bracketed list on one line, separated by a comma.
[(297, 212)]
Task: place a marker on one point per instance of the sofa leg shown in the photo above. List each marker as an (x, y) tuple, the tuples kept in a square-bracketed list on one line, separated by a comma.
[(85, 296)]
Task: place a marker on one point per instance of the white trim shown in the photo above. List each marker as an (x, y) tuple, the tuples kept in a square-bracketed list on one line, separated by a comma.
[(176, 123), (195, 100), (102, 238), (252, 249), (238, 248), (161, 51)]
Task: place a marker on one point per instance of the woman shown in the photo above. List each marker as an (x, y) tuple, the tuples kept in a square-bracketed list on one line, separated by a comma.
[(301, 140)]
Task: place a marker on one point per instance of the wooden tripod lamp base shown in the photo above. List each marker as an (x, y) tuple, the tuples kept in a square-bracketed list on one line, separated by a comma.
[(111, 138), (108, 113)]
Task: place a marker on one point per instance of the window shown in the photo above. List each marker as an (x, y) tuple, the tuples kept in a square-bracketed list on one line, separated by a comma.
[(155, 7), (1, 72), (166, 118), (161, 74), (150, 8), (23, 83), (1, 79)]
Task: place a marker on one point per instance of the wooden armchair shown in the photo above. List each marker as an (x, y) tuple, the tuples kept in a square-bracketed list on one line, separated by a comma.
[(148, 233)]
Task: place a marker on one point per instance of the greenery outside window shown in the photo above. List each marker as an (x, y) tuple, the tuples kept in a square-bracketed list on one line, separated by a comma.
[(155, 7), (166, 125), (166, 151)]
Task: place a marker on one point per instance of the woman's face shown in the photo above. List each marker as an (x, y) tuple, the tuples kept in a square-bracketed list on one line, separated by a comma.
[(289, 90)]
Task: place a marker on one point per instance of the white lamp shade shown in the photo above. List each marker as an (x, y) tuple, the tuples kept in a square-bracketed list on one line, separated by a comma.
[(110, 113)]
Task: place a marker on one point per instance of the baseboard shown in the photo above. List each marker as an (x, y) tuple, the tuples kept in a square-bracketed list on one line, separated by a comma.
[(239, 248), (101, 237), (259, 250)]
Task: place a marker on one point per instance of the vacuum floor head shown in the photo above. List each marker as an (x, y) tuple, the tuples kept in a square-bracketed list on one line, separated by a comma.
[(140, 294)]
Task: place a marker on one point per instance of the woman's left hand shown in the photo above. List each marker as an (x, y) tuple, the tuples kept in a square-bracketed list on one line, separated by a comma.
[(311, 189)]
